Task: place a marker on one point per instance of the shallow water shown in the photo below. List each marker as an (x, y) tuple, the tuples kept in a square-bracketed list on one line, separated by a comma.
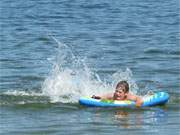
[(52, 53)]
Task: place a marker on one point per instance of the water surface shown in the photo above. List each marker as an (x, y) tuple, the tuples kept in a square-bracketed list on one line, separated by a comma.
[(53, 52)]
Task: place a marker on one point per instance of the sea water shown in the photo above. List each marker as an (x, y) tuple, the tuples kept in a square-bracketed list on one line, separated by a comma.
[(54, 52)]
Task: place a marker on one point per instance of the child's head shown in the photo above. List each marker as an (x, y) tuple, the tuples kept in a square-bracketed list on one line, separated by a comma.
[(123, 85), (121, 91)]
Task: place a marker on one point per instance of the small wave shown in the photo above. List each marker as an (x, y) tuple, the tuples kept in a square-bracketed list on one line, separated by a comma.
[(38, 99), (22, 93), (154, 51), (22, 97)]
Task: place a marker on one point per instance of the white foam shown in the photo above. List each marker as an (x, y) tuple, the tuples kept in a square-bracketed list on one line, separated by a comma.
[(22, 93)]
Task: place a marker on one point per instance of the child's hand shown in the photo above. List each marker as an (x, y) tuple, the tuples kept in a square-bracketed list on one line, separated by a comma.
[(138, 105), (139, 102), (96, 97)]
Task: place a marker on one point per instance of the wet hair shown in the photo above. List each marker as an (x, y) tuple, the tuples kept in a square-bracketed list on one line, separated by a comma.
[(123, 84)]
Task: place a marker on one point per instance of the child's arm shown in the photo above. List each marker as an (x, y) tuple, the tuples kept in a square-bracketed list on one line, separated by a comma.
[(137, 99), (106, 96)]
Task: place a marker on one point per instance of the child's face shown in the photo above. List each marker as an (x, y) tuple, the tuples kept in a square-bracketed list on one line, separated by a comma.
[(119, 94)]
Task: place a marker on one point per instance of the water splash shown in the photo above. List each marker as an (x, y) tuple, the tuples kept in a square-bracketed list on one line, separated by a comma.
[(71, 78)]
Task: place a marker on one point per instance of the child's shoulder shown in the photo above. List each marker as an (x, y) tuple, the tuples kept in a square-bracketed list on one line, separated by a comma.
[(131, 96)]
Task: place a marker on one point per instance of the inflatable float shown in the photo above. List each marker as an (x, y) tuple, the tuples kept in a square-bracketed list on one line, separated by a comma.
[(159, 98)]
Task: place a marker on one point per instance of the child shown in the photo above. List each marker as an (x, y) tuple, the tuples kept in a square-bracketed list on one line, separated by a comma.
[(121, 93)]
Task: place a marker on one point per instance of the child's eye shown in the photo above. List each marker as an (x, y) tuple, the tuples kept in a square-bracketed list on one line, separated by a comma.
[(118, 91)]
